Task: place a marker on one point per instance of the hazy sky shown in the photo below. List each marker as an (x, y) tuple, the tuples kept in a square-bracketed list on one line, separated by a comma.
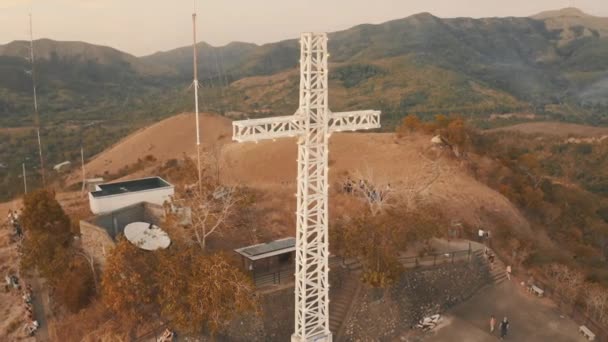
[(145, 26)]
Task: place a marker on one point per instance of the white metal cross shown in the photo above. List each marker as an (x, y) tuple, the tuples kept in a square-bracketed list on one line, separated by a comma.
[(312, 123)]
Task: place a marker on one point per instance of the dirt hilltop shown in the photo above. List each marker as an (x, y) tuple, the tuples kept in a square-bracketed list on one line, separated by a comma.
[(411, 163)]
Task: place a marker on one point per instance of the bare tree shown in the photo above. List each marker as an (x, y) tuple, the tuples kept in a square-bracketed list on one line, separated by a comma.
[(214, 157), (568, 282), (377, 192), (91, 263), (380, 194), (596, 302), (208, 211)]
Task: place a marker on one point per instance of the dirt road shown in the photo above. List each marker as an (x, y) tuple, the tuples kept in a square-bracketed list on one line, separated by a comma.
[(531, 319)]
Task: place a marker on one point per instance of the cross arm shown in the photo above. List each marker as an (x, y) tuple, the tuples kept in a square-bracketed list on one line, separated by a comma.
[(267, 128), (356, 120)]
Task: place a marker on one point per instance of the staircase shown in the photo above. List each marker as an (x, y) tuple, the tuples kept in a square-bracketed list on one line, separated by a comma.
[(344, 289), (497, 270)]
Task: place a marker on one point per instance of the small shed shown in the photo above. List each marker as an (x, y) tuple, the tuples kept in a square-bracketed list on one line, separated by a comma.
[(270, 263), (113, 196)]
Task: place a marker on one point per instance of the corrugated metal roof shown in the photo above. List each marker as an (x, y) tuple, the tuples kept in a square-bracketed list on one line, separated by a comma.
[(264, 250)]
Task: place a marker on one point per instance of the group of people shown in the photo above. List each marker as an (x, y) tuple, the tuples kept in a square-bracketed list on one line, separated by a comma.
[(503, 328), (32, 325), (363, 187), (483, 235), (12, 281), (13, 220), (489, 256)]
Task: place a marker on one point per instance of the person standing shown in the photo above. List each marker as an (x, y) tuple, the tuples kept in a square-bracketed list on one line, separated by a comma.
[(504, 327), (492, 324), (509, 272)]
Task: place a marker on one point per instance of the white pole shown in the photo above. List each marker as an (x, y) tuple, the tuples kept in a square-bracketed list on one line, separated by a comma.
[(36, 103), (24, 179), (83, 172), (195, 83)]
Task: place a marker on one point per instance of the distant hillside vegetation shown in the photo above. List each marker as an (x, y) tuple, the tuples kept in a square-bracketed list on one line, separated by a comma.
[(554, 65)]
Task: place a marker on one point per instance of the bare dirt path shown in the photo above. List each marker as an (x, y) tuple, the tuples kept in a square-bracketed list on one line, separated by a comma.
[(531, 319), (40, 311)]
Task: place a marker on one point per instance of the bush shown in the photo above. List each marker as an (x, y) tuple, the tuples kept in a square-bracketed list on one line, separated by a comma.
[(76, 288)]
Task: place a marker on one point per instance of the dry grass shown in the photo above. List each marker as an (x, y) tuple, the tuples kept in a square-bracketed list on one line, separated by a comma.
[(555, 128), (270, 167)]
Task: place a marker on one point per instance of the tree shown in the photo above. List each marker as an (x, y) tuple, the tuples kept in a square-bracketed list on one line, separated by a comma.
[(214, 159), (77, 286), (128, 284), (596, 302), (199, 292), (377, 193), (409, 124), (377, 240), (209, 211), (42, 213), (568, 282), (47, 241), (380, 195), (456, 133)]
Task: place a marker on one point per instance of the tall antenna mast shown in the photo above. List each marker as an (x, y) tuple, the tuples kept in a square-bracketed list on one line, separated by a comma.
[(37, 118), (195, 83), (24, 179), (83, 171)]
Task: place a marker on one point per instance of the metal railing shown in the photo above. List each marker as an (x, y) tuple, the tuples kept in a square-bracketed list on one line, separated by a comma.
[(436, 259)]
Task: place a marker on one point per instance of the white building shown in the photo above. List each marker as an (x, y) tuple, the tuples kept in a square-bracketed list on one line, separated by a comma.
[(112, 196)]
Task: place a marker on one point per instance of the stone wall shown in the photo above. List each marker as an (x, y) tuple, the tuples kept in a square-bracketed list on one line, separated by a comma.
[(387, 314), (98, 234), (96, 242)]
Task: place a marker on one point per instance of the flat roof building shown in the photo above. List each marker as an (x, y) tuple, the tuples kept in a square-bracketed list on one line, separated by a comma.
[(270, 263), (112, 196)]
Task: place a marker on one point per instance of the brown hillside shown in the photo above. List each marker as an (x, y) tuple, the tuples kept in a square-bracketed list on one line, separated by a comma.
[(412, 165), (555, 128), (167, 139)]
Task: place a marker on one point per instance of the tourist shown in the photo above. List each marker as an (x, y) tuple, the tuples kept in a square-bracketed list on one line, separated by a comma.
[(480, 233), (504, 326), (492, 324), (509, 272)]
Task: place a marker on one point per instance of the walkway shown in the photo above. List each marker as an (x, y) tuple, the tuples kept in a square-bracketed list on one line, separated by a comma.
[(531, 319), (40, 309)]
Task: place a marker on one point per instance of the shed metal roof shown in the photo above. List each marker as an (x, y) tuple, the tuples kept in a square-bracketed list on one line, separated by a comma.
[(266, 250)]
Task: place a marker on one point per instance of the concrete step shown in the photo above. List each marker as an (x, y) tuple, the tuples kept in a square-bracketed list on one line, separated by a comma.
[(499, 276)]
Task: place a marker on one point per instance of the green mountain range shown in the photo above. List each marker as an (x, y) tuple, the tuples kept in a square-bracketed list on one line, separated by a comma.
[(555, 61), (554, 64)]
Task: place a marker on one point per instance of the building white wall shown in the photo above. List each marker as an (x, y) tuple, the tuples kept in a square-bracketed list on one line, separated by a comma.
[(113, 202)]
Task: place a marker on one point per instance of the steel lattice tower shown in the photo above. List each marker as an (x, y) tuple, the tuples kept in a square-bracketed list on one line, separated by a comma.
[(312, 123)]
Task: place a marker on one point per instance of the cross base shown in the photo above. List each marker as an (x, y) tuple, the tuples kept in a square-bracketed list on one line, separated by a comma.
[(316, 338)]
